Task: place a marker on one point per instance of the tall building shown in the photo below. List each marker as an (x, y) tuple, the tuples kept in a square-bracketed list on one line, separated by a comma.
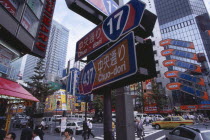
[(55, 58), (188, 21)]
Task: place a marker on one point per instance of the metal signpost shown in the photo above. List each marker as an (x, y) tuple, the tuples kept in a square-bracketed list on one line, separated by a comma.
[(122, 21), (118, 62)]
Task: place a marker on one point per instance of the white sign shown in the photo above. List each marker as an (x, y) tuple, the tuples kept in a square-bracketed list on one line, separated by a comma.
[(63, 124)]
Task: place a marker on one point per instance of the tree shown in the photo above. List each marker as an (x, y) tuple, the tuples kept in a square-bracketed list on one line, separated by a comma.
[(158, 95), (140, 98), (39, 88)]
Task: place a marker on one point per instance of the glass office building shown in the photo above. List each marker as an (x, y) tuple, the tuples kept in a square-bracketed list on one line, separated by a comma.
[(186, 20)]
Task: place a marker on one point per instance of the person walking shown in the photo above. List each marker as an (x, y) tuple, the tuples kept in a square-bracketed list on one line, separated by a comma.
[(85, 130), (113, 130), (147, 120), (26, 133), (68, 134), (2, 132), (10, 136), (90, 126), (36, 135), (40, 131), (140, 129)]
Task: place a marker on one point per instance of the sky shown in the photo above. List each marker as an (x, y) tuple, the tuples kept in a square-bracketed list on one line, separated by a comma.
[(77, 25)]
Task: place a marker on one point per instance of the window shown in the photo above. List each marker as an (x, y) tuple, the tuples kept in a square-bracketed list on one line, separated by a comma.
[(187, 134), (176, 132), (167, 119), (36, 7), (176, 119), (29, 22)]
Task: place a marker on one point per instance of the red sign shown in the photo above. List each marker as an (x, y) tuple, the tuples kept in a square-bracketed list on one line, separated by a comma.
[(44, 28), (118, 23), (10, 5)]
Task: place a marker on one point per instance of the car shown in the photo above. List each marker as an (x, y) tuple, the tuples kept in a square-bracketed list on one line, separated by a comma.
[(190, 132), (73, 125), (156, 117), (171, 122), (141, 116)]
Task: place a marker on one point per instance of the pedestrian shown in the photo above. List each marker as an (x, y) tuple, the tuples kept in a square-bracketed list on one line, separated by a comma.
[(39, 129), (90, 126), (140, 129), (68, 134), (36, 134), (85, 129), (26, 133), (147, 120), (2, 132), (113, 130), (10, 136)]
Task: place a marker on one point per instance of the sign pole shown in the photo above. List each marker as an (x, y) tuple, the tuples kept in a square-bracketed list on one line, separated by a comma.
[(107, 114)]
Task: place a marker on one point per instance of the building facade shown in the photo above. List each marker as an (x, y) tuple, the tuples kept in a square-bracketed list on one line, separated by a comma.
[(24, 29), (180, 20), (55, 58), (186, 79)]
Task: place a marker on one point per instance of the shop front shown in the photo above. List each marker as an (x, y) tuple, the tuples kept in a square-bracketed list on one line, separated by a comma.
[(12, 94)]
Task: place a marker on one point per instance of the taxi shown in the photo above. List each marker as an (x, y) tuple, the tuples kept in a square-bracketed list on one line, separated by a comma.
[(171, 122)]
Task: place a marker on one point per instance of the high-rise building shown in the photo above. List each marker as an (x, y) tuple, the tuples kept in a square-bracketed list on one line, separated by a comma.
[(188, 21), (55, 58)]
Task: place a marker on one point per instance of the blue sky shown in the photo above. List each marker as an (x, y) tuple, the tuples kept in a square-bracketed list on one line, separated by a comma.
[(77, 25)]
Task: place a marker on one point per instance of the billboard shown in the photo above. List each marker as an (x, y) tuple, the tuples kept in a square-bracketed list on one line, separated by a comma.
[(184, 54), (184, 76), (182, 64), (179, 43)]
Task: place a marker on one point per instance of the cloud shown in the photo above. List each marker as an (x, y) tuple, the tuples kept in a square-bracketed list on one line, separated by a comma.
[(77, 25)]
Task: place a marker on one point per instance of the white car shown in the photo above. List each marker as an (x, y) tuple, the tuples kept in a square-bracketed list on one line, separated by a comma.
[(73, 125)]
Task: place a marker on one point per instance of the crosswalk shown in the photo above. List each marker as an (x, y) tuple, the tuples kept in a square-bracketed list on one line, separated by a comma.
[(147, 133)]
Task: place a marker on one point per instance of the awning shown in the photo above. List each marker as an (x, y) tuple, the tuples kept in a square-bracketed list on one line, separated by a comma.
[(13, 89)]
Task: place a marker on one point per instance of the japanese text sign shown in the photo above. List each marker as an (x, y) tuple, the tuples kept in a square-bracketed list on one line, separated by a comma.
[(116, 63), (120, 22), (105, 6)]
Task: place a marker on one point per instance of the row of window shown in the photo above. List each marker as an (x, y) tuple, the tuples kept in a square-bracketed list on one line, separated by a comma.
[(177, 26)]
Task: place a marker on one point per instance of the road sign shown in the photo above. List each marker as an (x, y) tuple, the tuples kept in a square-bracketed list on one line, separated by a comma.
[(118, 23), (116, 63), (105, 6)]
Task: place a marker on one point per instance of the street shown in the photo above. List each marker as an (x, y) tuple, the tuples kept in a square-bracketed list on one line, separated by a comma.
[(150, 133)]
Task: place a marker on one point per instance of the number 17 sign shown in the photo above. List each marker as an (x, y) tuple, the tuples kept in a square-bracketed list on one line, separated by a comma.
[(122, 21)]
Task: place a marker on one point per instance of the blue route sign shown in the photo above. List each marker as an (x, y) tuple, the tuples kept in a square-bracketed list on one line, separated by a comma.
[(116, 63), (120, 22), (105, 6)]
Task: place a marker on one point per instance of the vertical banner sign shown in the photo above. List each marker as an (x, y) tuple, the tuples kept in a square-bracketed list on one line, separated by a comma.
[(40, 46), (122, 21), (116, 63), (105, 6)]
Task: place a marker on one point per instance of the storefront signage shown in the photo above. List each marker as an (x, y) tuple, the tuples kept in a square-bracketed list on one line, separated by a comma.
[(179, 43), (112, 28), (116, 63), (182, 64), (44, 28)]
